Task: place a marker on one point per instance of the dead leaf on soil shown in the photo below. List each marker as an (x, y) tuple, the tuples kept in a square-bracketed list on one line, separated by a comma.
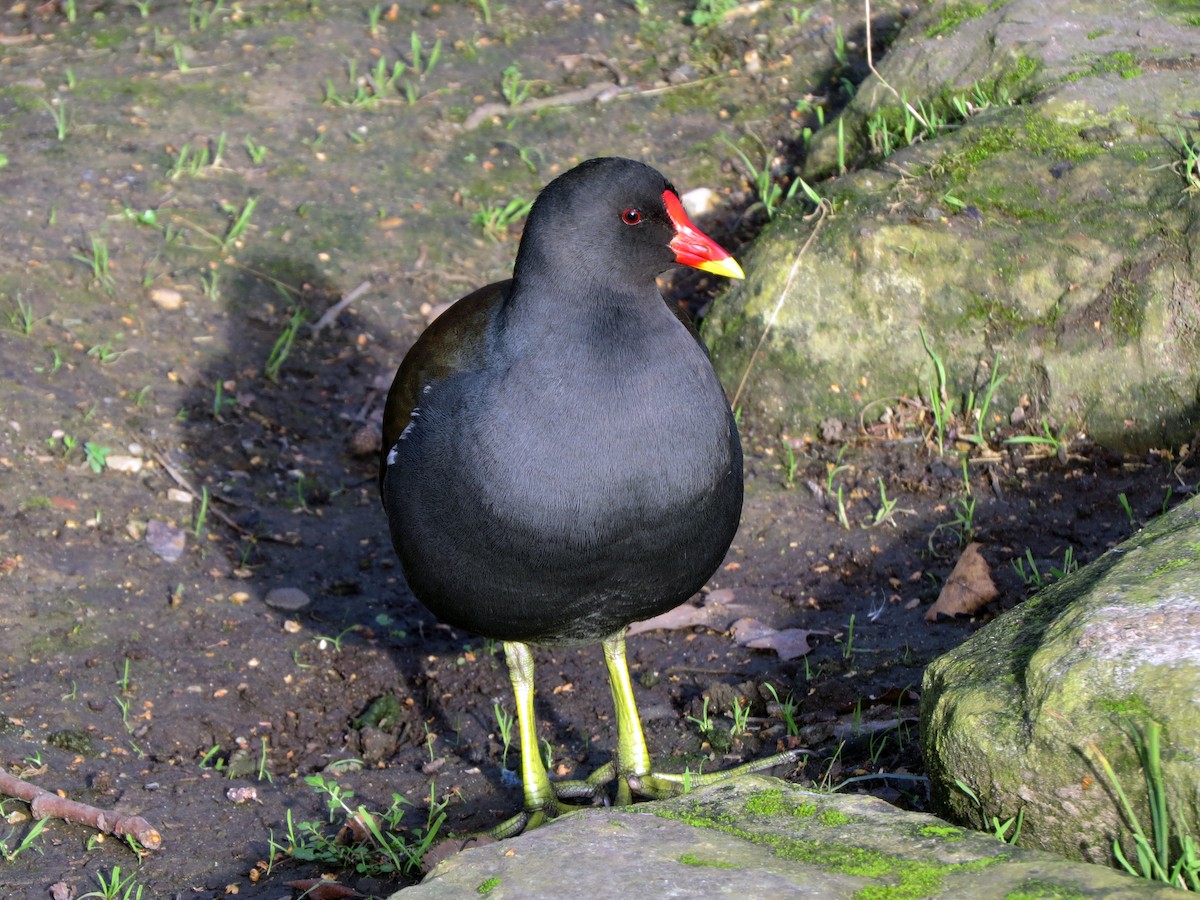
[(969, 587), (788, 643), (318, 889), (450, 846), (715, 610)]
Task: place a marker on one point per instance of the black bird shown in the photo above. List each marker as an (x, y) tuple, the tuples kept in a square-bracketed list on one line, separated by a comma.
[(559, 459)]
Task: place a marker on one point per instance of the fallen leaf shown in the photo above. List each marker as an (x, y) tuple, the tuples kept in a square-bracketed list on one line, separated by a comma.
[(715, 610), (672, 620), (969, 587), (747, 630), (318, 889), (788, 643)]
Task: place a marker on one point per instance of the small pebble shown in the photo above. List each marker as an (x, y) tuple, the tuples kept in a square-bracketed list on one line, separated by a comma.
[(699, 201), (287, 598), (123, 463), (165, 540), (175, 495), (242, 794), (167, 298)]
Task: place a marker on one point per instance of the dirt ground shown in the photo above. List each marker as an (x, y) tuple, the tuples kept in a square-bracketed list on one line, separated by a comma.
[(141, 413)]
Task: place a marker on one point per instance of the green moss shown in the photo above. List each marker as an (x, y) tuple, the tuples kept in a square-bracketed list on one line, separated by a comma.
[(1053, 139), (1187, 11), (1130, 707), (907, 879), (487, 886), (691, 859), (1172, 566), (833, 818), (383, 713), (994, 311), (697, 818), (1120, 61), (857, 861), (72, 741), (1125, 312), (1035, 889), (1034, 134), (108, 37), (772, 803), (1026, 67), (947, 832), (1098, 33), (954, 14)]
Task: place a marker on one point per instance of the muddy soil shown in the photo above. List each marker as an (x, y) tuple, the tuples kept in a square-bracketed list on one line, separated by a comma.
[(162, 386)]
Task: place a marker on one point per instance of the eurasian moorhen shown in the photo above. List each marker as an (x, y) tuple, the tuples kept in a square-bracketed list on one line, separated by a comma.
[(559, 459)]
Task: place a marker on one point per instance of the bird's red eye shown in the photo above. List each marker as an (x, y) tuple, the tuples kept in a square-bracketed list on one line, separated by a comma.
[(631, 216)]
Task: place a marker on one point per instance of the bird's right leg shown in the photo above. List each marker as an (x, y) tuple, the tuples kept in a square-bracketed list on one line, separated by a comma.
[(540, 801)]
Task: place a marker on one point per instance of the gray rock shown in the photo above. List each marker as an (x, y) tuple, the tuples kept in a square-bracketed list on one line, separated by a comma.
[(1070, 247), (761, 837), (1090, 661), (289, 599), (165, 540)]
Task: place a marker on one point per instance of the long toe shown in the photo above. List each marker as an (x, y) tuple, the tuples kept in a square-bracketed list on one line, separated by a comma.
[(661, 785), (529, 819)]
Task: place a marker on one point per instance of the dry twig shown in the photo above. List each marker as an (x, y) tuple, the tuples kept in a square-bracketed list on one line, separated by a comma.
[(334, 311), (821, 212), (45, 805)]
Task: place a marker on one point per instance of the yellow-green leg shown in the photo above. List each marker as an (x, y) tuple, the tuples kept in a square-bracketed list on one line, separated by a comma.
[(632, 763), (630, 766), (633, 759), (540, 802)]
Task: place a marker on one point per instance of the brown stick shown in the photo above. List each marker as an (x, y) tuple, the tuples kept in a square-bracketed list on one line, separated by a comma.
[(336, 310), (44, 805)]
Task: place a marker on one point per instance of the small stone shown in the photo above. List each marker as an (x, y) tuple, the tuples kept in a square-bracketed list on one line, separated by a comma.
[(166, 298), (175, 495), (287, 598), (243, 794), (366, 441), (698, 202), (165, 540), (376, 745), (123, 463)]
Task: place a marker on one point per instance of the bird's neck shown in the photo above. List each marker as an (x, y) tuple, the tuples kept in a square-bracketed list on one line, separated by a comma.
[(584, 307)]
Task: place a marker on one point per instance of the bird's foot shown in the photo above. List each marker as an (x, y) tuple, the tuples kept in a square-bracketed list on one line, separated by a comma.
[(662, 786), (531, 817), (650, 785)]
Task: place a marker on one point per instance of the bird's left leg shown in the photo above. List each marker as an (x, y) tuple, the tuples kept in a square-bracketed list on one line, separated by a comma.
[(631, 766), (540, 801)]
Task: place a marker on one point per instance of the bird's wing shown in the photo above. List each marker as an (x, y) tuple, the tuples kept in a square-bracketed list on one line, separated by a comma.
[(454, 342)]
